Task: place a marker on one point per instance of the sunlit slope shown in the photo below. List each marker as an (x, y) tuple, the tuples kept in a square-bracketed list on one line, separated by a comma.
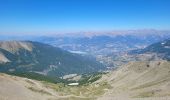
[(136, 80), (17, 88)]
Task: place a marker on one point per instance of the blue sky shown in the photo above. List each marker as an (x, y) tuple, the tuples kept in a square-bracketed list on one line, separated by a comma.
[(38, 16)]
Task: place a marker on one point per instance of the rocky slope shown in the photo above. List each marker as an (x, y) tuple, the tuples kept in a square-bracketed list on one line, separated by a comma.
[(147, 80), (3, 59), (139, 80), (17, 88)]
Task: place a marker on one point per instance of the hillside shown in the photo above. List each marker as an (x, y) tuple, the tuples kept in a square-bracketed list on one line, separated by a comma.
[(17, 88), (134, 81), (139, 80), (161, 49), (27, 56)]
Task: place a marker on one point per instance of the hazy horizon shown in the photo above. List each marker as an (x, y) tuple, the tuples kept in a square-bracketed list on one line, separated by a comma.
[(89, 33)]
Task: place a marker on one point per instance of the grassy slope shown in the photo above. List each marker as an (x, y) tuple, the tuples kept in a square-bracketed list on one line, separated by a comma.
[(48, 91), (146, 80), (134, 81)]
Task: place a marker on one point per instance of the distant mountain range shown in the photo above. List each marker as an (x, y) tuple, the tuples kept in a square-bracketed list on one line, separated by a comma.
[(27, 56), (99, 43), (104, 44)]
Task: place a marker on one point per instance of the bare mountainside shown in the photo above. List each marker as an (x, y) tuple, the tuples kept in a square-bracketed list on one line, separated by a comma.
[(139, 81), (143, 80), (17, 88), (14, 46)]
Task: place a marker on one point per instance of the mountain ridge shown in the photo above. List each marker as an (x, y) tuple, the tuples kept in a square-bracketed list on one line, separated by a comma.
[(162, 49), (39, 57)]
